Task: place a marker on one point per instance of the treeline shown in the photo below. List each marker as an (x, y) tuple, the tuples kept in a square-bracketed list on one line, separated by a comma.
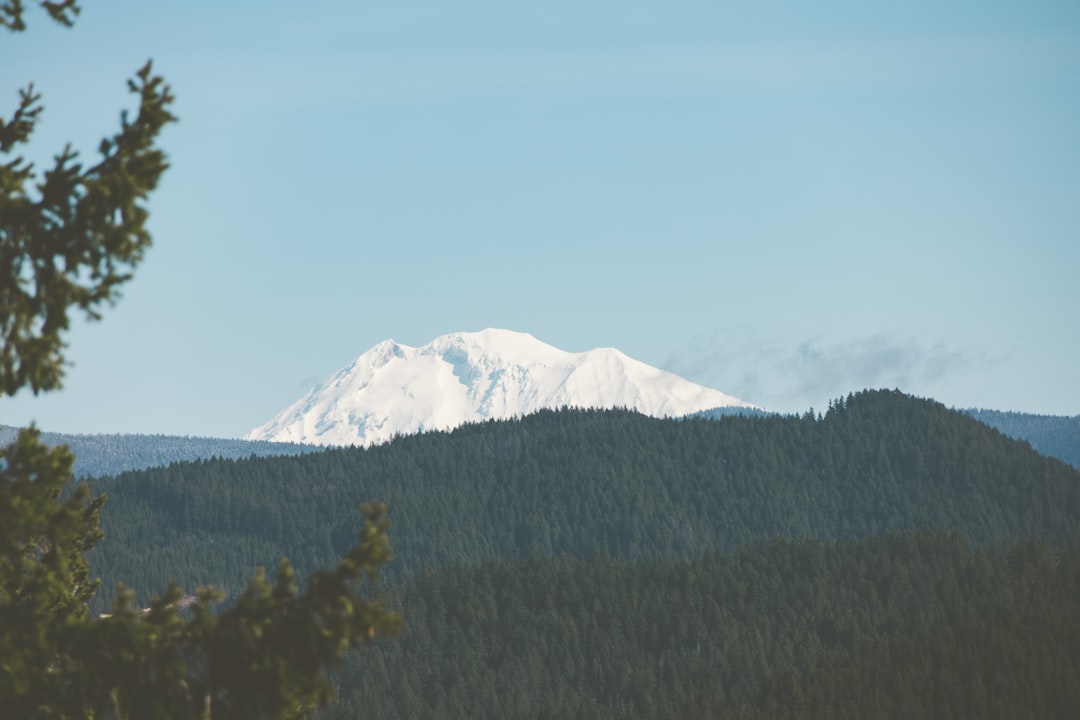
[(906, 627), (585, 483), (107, 455)]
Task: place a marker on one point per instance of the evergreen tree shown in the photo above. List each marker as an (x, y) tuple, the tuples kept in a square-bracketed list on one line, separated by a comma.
[(68, 239)]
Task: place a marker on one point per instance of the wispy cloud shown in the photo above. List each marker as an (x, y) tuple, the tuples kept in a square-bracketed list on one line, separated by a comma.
[(793, 378), (875, 361)]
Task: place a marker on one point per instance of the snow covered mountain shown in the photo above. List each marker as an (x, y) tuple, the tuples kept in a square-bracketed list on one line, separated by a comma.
[(394, 389)]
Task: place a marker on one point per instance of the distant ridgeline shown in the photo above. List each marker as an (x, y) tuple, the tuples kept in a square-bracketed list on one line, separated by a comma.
[(1054, 435), (101, 455), (104, 455), (890, 556)]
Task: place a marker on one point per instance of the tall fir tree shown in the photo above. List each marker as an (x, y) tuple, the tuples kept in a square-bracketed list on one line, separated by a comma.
[(69, 238)]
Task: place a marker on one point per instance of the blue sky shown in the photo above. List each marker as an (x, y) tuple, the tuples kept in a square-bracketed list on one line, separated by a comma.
[(786, 201)]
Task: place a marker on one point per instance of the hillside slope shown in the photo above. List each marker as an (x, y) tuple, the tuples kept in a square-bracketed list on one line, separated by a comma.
[(580, 483)]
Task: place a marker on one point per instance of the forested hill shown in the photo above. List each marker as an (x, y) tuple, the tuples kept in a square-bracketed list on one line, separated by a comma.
[(584, 483)]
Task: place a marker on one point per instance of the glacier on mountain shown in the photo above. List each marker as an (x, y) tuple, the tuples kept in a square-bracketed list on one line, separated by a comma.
[(394, 389)]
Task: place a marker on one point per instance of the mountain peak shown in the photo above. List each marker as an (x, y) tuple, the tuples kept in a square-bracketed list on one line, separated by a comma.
[(395, 389), (492, 341)]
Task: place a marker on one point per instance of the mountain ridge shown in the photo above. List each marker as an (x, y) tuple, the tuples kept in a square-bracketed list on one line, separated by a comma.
[(106, 454)]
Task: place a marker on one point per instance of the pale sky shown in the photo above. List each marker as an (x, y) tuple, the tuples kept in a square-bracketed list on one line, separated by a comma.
[(785, 201)]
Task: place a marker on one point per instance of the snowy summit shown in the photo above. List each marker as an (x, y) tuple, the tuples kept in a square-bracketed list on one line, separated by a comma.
[(394, 389)]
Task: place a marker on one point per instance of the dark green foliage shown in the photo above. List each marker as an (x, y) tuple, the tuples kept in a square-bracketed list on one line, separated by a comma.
[(71, 237), (1010, 648), (62, 11), (588, 482), (44, 580), (913, 626)]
